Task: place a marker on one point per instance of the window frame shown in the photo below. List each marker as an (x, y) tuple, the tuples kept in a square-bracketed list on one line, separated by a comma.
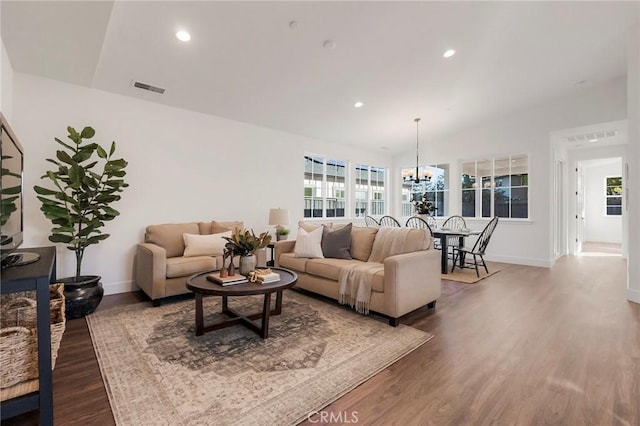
[(349, 188), (407, 194), (480, 185), (370, 191), (607, 196)]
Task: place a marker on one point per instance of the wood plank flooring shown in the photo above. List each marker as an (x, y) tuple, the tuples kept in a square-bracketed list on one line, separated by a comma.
[(526, 346)]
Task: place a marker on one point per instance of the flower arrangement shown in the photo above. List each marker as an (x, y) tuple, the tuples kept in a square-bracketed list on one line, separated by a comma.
[(245, 243), (424, 206)]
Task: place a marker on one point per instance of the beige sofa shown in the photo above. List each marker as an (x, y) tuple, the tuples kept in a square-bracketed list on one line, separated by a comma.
[(408, 282), (161, 269)]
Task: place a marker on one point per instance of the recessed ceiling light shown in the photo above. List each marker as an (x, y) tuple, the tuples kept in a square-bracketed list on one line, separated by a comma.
[(449, 53), (358, 104), (183, 36), (329, 44)]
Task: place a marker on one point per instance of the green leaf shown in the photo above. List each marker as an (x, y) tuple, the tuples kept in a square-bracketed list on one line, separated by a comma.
[(60, 238), (11, 190), (88, 132), (113, 148), (64, 144), (82, 155), (101, 152), (73, 135), (64, 157)]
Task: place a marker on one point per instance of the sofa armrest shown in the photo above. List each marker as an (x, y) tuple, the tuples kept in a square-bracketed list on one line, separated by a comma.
[(283, 246), (411, 280), (151, 269)]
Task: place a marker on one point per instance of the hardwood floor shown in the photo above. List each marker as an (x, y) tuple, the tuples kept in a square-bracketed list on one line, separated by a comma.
[(526, 346)]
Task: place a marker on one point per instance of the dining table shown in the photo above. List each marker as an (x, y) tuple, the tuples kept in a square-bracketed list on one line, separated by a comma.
[(443, 234)]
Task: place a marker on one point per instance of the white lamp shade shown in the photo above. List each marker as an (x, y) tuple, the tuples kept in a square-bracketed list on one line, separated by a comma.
[(278, 216)]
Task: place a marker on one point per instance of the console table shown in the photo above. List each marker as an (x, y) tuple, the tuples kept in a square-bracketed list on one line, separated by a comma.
[(35, 276)]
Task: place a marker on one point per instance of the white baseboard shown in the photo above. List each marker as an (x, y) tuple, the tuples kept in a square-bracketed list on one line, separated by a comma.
[(633, 295), (543, 263), (119, 287)]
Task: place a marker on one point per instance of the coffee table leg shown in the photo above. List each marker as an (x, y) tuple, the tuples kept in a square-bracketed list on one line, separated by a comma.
[(278, 309), (225, 305), (199, 315), (266, 310)]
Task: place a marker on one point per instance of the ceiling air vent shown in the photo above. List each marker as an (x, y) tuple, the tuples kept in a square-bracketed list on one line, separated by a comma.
[(148, 87)]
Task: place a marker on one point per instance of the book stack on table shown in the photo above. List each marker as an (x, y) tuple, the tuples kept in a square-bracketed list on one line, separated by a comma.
[(229, 280), (268, 278)]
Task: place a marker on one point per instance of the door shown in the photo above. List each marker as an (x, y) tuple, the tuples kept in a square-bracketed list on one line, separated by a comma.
[(580, 208)]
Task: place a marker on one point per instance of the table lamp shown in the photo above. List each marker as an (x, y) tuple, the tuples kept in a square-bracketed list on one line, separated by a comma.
[(278, 218)]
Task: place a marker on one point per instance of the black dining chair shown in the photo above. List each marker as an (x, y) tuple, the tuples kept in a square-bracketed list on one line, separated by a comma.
[(389, 221), (477, 251), (420, 223), (369, 221), (454, 223)]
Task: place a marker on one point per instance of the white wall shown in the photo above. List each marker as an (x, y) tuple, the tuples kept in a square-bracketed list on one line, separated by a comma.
[(598, 226), (524, 132), (183, 166), (6, 84), (633, 161)]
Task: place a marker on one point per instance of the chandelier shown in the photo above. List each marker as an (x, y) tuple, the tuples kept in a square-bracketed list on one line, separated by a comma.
[(418, 176)]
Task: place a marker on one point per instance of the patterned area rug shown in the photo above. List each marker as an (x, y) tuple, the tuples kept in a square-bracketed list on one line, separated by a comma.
[(157, 372)]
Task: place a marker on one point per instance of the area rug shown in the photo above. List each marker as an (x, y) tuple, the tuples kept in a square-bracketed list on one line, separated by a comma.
[(468, 276), (157, 372)]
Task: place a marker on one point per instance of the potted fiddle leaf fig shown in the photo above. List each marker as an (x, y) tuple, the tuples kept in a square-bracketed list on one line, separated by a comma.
[(86, 180)]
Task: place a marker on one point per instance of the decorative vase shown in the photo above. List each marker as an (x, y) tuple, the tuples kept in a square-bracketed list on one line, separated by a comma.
[(82, 296), (281, 237), (247, 264)]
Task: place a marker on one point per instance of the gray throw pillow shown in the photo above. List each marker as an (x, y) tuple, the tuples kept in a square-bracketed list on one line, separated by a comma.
[(336, 243)]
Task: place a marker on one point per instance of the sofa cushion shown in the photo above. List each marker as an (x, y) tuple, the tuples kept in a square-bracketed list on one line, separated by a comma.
[(288, 260), (328, 268), (169, 236), (185, 266), (308, 244), (394, 241), (336, 243), (218, 227), (205, 245), (378, 282), (310, 226), (362, 242)]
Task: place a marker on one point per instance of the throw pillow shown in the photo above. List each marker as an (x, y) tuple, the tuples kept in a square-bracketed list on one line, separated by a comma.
[(310, 226), (204, 245), (308, 244), (336, 243)]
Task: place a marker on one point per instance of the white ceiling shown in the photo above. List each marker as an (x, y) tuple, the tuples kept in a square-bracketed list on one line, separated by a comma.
[(244, 62)]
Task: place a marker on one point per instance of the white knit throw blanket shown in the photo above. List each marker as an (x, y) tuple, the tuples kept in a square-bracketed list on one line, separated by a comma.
[(356, 280)]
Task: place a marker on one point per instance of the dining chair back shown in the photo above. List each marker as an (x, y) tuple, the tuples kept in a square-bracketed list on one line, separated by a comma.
[(389, 221), (418, 222), (478, 250), (455, 222), (369, 221)]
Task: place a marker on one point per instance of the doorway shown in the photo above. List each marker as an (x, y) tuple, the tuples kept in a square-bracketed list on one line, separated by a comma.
[(599, 210)]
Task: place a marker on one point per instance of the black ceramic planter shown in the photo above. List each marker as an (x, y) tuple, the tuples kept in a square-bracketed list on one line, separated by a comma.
[(82, 297)]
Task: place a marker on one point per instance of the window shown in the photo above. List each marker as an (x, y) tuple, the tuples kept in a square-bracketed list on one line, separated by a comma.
[(324, 187), (436, 188), (370, 192), (496, 187), (613, 193)]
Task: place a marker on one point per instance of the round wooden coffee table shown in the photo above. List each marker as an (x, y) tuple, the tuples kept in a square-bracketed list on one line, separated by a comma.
[(201, 286)]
